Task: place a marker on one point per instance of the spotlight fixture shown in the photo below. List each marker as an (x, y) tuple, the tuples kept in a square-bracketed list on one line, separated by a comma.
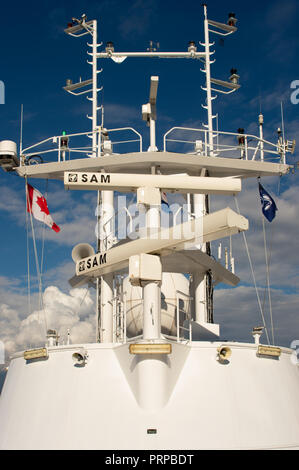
[(232, 19), (192, 46), (109, 46)]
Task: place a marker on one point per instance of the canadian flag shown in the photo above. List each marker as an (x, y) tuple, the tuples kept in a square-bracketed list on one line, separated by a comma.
[(38, 207)]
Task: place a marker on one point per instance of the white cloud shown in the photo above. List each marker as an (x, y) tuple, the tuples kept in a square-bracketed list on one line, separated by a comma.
[(62, 311)]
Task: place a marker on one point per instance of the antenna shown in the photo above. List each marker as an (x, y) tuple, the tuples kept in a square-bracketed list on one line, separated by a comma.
[(21, 130), (149, 112), (282, 121)]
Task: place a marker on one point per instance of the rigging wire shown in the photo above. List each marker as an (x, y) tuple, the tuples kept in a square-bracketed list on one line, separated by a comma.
[(268, 279), (41, 303), (43, 236), (268, 254), (253, 275), (28, 254)]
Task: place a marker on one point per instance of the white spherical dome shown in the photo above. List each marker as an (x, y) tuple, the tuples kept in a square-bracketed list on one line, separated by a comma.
[(171, 283)]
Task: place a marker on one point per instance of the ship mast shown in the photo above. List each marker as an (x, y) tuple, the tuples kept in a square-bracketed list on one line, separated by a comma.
[(202, 284), (105, 236)]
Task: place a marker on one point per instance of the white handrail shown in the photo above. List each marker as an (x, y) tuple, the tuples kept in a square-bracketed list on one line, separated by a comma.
[(273, 150), (28, 152)]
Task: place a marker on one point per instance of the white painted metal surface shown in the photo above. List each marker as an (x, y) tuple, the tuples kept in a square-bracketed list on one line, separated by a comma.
[(210, 227), (189, 397), (171, 183)]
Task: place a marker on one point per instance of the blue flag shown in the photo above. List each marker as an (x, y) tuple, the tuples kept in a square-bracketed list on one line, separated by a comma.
[(268, 205)]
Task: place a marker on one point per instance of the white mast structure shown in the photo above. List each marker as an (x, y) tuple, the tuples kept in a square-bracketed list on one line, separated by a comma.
[(200, 281), (104, 320)]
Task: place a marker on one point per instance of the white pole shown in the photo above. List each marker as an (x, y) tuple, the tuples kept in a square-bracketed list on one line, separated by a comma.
[(208, 81), (153, 147), (106, 229), (152, 290), (106, 242), (199, 281), (261, 121), (94, 88)]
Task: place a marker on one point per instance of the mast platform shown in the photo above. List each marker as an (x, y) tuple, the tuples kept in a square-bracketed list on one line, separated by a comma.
[(168, 163)]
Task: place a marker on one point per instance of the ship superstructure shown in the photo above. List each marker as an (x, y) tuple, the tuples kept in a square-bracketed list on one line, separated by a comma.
[(157, 375)]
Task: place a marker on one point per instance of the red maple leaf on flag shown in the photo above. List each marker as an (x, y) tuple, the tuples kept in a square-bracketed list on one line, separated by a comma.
[(41, 201)]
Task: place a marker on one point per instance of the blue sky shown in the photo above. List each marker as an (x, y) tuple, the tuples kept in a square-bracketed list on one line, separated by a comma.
[(37, 57)]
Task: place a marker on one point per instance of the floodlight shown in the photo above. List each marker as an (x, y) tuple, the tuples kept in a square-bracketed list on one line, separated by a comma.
[(109, 46), (232, 19)]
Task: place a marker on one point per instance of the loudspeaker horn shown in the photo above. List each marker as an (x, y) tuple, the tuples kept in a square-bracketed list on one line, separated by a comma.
[(224, 353), (82, 250)]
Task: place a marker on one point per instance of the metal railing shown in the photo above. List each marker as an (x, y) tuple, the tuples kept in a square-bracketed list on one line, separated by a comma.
[(238, 145), (53, 146), (187, 316)]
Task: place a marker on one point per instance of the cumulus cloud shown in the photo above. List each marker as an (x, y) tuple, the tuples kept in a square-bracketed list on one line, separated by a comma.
[(73, 311)]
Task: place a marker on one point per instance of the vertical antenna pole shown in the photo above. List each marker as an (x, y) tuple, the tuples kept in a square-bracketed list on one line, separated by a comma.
[(104, 305), (208, 81), (200, 280), (94, 88), (283, 137), (21, 130), (261, 122)]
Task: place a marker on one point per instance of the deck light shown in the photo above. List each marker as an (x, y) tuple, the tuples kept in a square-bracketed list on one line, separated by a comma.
[(191, 46), (234, 77), (232, 19), (150, 348), (109, 46), (241, 138), (64, 141), (35, 354), (270, 351)]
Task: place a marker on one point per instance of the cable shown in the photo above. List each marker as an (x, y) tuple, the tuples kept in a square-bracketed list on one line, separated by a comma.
[(268, 279), (253, 276), (28, 254), (41, 304)]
